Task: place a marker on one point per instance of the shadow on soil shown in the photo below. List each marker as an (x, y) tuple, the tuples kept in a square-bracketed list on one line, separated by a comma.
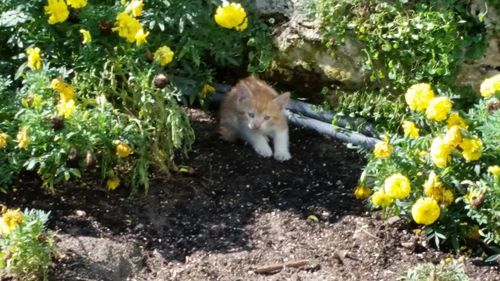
[(213, 208)]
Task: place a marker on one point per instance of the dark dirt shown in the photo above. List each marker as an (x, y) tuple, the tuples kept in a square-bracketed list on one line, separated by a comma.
[(236, 213)]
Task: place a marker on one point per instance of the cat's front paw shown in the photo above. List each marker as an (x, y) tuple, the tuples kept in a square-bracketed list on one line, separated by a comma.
[(263, 150), (282, 155)]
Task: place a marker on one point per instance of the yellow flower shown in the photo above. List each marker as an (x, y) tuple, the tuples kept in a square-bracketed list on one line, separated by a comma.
[(383, 149), (86, 36), (471, 149), (490, 86), (77, 4), (455, 120), (3, 140), (112, 183), (164, 55), (123, 150), (494, 170), (438, 109), (410, 129), (127, 26), (66, 91), (66, 108), (473, 233), (433, 187), (397, 186), (141, 37), (448, 197), (362, 192), (425, 211), (9, 220), (231, 15), (23, 139), (381, 199), (453, 136), (34, 58), (58, 11), (418, 96), (440, 152), (135, 7), (207, 90)]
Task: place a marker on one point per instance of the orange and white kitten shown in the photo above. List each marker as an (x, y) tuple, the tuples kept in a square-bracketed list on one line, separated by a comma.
[(254, 112)]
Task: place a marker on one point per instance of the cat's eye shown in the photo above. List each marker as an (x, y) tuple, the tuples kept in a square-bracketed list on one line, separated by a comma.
[(251, 114), (267, 117)]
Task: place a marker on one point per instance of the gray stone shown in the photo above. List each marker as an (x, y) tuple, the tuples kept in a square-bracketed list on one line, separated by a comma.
[(100, 258)]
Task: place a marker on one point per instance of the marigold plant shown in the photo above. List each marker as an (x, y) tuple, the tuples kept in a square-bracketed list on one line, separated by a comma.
[(445, 177)]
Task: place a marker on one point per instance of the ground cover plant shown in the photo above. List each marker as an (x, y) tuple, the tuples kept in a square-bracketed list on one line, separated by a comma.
[(402, 43)]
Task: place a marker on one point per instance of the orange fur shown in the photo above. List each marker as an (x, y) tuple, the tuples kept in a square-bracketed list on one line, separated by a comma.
[(253, 109)]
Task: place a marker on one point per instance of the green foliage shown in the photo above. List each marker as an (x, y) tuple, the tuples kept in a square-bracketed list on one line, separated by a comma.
[(382, 110), (428, 271), (26, 252), (403, 43), (471, 210), (116, 98)]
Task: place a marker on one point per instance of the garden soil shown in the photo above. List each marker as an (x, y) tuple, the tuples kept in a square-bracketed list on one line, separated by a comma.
[(230, 215)]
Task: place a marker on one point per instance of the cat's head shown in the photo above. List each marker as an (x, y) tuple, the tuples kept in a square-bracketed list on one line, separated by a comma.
[(260, 105)]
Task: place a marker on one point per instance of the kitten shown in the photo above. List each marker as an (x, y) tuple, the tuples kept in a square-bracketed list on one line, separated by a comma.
[(254, 112)]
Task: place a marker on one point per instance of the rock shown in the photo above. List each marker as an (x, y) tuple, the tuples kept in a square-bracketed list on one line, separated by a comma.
[(301, 56), (100, 258), (80, 213)]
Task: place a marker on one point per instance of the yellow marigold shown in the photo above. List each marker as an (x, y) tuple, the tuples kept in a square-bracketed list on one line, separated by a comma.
[(494, 170), (135, 7), (77, 4), (473, 233), (206, 90), (448, 197), (66, 108), (397, 186), (66, 91), (453, 136), (381, 199), (34, 58), (23, 140), (362, 192), (87, 38), (471, 149), (3, 140), (455, 120), (438, 109), (112, 183), (418, 96), (490, 86), (127, 26), (164, 55), (433, 187), (9, 220), (123, 150), (57, 11), (440, 152), (383, 149), (425, 211), (231, 15), (141, 37), (410, 129)]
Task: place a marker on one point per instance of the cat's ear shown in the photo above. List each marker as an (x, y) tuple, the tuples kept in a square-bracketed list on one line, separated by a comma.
[(243, 92), (282, 100)]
